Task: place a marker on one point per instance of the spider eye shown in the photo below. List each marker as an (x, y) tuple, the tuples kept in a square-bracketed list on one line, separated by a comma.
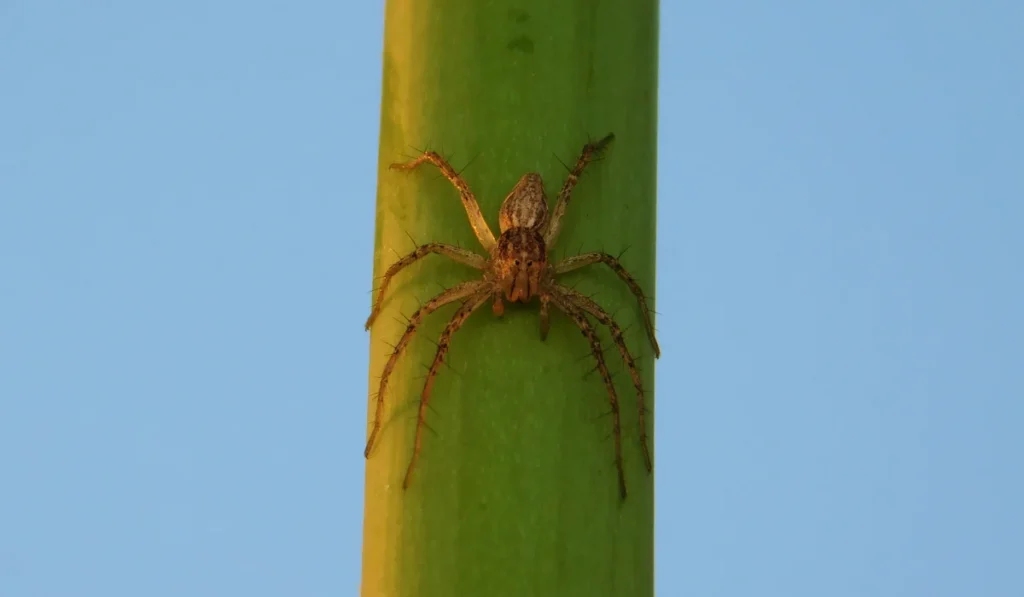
[(529, 264), (516, 262)]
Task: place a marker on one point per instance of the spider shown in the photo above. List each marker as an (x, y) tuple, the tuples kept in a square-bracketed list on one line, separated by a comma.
[(517, 269)]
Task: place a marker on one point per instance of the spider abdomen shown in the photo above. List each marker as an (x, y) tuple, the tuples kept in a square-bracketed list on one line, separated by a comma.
[(526, 206)]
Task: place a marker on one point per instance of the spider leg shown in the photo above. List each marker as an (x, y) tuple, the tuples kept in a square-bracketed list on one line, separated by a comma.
[(455, 253), (578, 261), (443, 344), (583, 302), (476, 217), (451, 295), (577, 315), (590, 151)]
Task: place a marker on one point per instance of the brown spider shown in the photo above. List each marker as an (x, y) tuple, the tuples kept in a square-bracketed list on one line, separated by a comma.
[(518, 270)]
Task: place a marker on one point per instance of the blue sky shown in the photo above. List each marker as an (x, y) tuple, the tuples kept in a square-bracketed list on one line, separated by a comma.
[(185, 258)]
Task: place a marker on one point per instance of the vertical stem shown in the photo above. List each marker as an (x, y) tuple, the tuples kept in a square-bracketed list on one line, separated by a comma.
[(516, 490)]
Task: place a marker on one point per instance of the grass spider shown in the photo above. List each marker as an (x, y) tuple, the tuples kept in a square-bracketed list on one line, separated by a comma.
[(517, 269)]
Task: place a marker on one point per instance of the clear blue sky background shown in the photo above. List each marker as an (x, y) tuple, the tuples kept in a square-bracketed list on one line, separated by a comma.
[(186, 198)]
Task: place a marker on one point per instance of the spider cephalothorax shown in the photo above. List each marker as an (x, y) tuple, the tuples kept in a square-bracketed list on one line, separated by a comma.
[(517, 269), (518, 264)]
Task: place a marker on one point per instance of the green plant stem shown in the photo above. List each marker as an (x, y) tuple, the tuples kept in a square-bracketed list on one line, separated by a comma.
[(516, 491)]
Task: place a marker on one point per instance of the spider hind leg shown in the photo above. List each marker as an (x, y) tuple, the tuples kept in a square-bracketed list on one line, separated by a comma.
[(590, 152), (476, 217)]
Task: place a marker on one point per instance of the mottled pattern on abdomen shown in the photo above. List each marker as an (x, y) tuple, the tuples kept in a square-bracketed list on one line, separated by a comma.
[(526, 206)]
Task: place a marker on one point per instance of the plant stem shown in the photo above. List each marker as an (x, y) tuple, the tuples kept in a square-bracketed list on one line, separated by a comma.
[(515, 492)]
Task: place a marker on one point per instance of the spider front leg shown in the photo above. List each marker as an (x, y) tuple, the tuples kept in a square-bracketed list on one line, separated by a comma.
[(589, 153), (443, 344), (454, 253), (476, 217), (587, 330), (572, 263), (587, 304), (451, 295)]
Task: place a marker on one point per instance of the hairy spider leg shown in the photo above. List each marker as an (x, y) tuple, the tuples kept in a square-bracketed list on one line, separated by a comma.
[(451, 295), (452, 252), (460, 317), (597, 312), (587, 330), (590, 151), (571, 263), (476, 217)]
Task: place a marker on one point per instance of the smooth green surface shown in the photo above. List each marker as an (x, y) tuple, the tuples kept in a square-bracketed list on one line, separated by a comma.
[(515, 492)]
